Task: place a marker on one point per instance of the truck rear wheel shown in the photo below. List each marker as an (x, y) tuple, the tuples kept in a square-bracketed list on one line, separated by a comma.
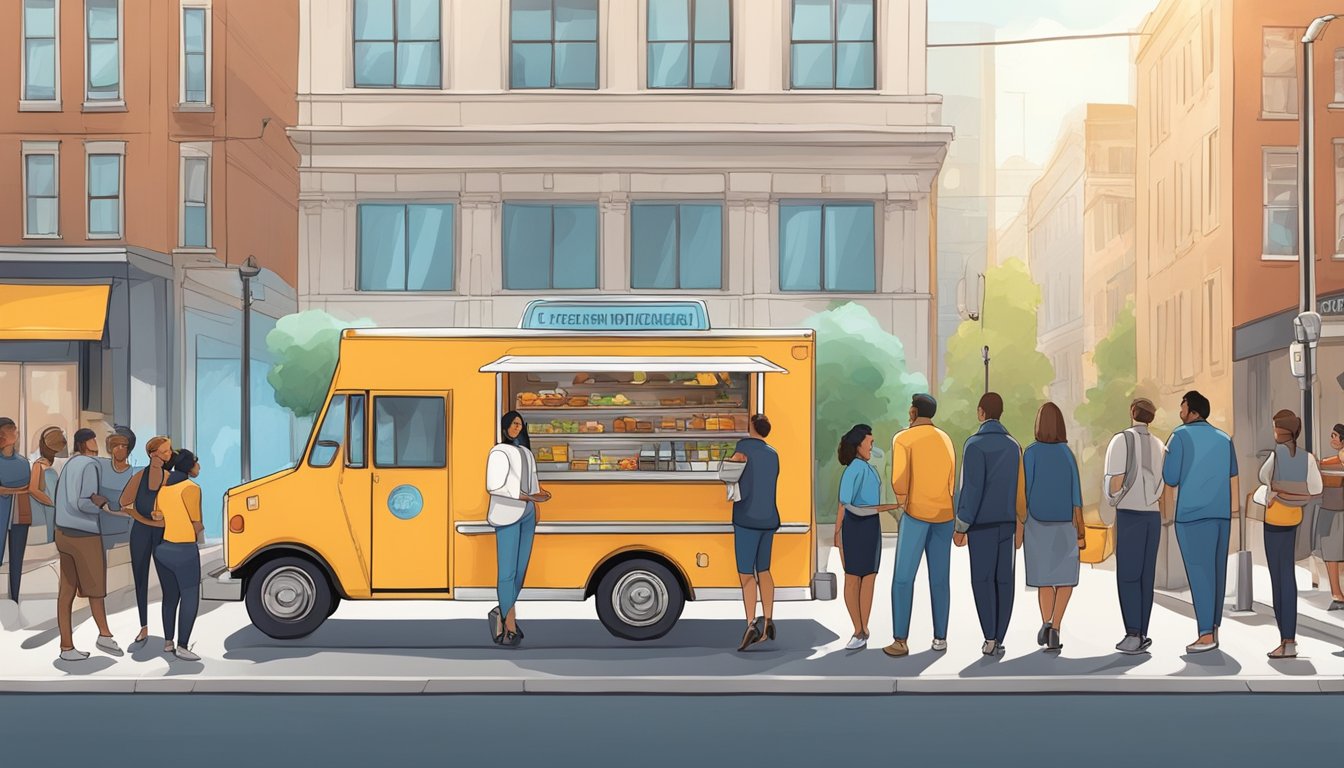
[(639, 600), (289, 598)]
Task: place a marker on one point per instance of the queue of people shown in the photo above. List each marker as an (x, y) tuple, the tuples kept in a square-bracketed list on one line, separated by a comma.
[(77, 506)]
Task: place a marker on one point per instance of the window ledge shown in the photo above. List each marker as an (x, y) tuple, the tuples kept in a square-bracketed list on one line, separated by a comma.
[(192, 107), (39, 106), (1335, 105), (92, 236), (105, 106), (1338, 257), (194, 251), (1276, 116), (57, 236), (408, 293), (1273, 257)]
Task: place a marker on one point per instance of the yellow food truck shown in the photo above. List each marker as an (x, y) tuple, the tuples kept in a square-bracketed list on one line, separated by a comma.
[(630, 406)]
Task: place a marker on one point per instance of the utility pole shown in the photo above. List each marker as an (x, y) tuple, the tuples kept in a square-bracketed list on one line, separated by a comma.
[(247, 271), (1307, 327)]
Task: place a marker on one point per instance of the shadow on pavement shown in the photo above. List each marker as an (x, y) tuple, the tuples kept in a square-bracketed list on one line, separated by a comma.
[(86, 667), (1211, 663), (1042, 664), (1293, 667)]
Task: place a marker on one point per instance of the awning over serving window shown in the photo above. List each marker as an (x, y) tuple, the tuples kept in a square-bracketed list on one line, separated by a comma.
[(528, 364), (46, 312)]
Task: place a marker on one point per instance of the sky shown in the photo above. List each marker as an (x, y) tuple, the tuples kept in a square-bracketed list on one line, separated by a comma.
[(1039, 84)]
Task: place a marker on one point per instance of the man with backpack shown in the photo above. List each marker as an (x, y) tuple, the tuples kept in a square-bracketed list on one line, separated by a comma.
[(1133, 495)]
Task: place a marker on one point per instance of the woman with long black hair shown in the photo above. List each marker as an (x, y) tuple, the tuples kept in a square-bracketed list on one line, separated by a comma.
[(511, 481)]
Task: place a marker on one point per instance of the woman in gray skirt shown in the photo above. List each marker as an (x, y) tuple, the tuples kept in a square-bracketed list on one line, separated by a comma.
[(1330, 517), (1053, 532)]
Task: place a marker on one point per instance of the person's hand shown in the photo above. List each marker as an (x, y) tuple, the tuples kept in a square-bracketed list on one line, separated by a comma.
[(98, 500), (1082, 543), (198, 526), (959, 538), (1017, 538), (157, 516), (541, 496)]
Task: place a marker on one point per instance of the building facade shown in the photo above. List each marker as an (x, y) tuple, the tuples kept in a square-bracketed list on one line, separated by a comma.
[(459, 159), (964, 77), (148, 158), (1108, 224)]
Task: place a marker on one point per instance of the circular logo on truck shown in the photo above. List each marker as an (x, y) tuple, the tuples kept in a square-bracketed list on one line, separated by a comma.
[(405, 502)]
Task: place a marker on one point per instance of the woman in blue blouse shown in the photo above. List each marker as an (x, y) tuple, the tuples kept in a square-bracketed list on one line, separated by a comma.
[(1053, 532), (861, 545)]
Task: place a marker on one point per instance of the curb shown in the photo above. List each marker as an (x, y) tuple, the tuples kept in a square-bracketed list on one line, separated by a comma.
[(674, 686)]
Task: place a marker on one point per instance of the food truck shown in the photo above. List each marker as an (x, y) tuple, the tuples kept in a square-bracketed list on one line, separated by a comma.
[(630, 407)]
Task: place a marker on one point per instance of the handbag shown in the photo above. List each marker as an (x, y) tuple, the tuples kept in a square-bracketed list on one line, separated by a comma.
[(1100, 544)]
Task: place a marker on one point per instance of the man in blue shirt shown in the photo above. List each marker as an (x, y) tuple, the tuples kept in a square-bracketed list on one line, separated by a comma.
[(755, 520), (1202, 465)]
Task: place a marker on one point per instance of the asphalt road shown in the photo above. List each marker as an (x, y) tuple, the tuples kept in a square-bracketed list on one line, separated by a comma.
[(198, 731)]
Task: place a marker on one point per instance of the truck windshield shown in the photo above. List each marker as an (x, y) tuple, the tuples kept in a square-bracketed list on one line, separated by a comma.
[(329, 435)]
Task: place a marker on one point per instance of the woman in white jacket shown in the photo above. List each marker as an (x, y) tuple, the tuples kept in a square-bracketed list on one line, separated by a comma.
[(511, 480)]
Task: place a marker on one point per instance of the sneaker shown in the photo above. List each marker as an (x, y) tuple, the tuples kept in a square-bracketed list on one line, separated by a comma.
[(73, 655), (856, 643), (109, 646), (184, 654), (939, 644), (1198, 647), (1146, 644), (897, 649), (1132, 645)]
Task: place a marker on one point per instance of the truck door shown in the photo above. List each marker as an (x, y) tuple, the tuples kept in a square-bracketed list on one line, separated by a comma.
[(409, 475)]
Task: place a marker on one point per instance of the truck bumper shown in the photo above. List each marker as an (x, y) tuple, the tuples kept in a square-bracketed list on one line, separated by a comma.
[(823, 586), (221, 586)]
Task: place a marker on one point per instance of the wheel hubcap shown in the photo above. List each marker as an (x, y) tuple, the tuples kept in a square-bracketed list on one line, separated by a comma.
[(288, 594), (640, 599)]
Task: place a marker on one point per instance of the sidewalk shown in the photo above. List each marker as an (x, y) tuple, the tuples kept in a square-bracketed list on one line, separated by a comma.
[(443, 647)]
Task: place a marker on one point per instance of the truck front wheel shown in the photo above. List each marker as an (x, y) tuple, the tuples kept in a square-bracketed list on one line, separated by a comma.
[(289, 598), (639, 600)]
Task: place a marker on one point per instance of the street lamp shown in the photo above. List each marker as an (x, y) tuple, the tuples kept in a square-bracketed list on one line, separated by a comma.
[(976, 314), (248, 271)]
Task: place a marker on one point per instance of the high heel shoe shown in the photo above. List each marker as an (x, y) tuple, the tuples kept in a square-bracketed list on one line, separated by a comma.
[(765, 630), (752, 636)]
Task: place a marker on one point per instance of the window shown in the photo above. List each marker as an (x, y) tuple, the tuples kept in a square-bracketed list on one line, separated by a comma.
[(1190, 361), (1339, 198), (1120, 160), (1213, 320), (1339, 76), (40, 56), (1209, 36), (354, 430), (329, 435), (1160, 344), (550, 247), (102, 32), (1279, 73), (41, 189), (833, 44), (409, 433), (827, 247), (1280, 219), (405, 247), (690, 44), (195, 72), (676, 246), (553, 44), (1154, 113), (398, 44), (195, 192), (1182, 212), (104, 185), (1211, 181)]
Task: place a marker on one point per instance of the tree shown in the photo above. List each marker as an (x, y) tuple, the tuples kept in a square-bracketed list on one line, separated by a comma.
[(305, 346), (1105, 407), (1018, 372), (861, 379)]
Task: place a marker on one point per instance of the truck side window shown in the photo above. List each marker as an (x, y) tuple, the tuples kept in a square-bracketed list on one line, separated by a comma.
[(409, 432), (329, 435), (354, 449)]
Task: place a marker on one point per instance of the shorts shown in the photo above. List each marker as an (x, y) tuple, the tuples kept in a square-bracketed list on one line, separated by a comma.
[(83, 563), (752, 547)]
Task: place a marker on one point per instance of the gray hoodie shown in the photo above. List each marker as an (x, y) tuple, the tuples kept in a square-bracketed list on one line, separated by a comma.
[(75, 511)]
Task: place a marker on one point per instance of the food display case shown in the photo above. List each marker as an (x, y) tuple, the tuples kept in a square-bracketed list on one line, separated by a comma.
[(639, 425)]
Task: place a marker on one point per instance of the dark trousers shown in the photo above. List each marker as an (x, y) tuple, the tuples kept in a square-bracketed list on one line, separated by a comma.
[(179, 567), (144, 539), (18, 544), (992, 581), (1279, 541), (1136, 538)]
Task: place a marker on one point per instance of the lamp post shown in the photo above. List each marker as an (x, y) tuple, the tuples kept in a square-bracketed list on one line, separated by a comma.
[(984, 351), (248, 271)]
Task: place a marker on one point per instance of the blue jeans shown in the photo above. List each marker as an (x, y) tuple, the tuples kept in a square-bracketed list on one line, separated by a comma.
[(1279, 545), (17, 537), (992, 579), (179, 567), (918, 539), (1137, 535), (144, 540), (1204, 550), (513, 550)]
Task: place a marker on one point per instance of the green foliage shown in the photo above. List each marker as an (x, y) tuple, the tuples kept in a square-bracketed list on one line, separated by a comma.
[(1018, 372), (861, 379), (305, 347), (1105, 407)]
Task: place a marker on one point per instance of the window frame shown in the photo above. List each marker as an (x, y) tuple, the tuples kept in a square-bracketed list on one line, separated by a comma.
[(834, 42), (346, 450), (195, 152), (406, 206), (396, 41), (207, 42), (109, 104), (1266, 207), (552, 41), (98, 149), (821, 290), (678, 204), (40, 105), (690, 43), (371, 445), (41, 148), (550, 280), (1294, 34), (321, 423)]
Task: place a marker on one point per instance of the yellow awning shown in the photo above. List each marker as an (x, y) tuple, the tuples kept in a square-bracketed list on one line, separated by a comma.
[(52, 312)]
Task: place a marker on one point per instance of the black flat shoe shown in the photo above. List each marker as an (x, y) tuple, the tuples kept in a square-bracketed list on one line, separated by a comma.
[(496, 625), (1054, 644), (1043, 636)]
